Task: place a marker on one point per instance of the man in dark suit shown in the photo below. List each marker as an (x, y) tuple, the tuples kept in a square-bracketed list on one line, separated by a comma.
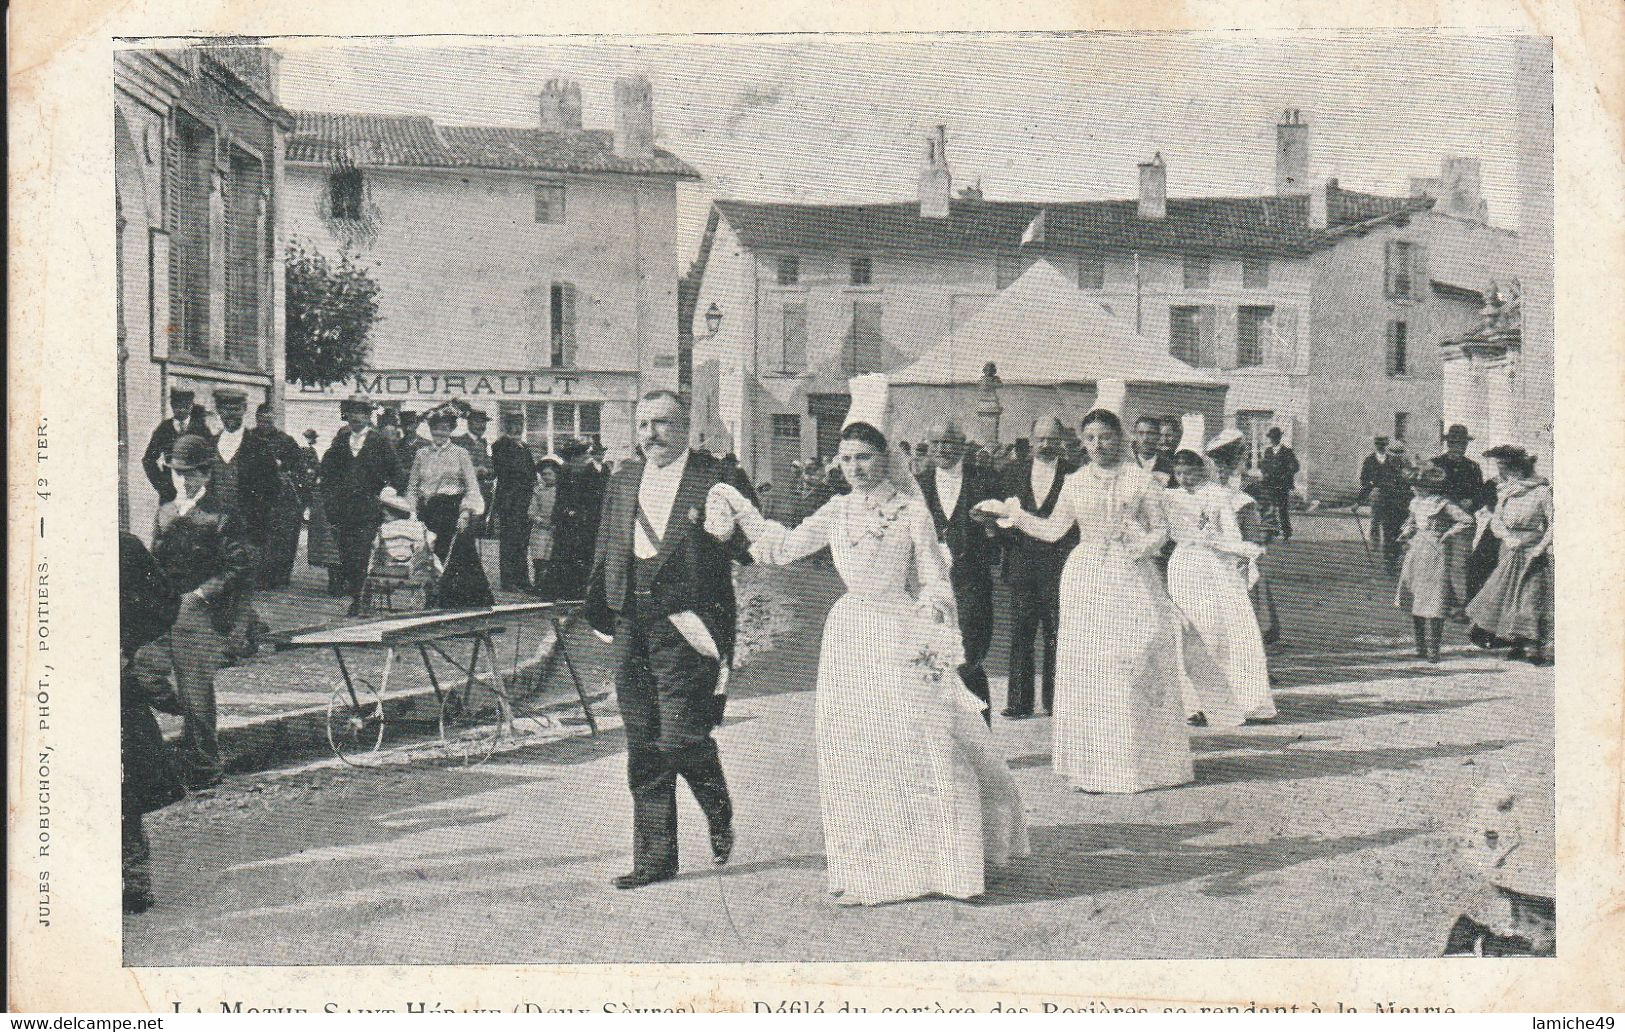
[(199, 544), (1279, 467), (951, 487), (474, 441), (515, 473), (1148, 450), (155, 460), (1384, 482), (577, 508), (358, 465), (1464, 485), (269, 472), (1035, 568), (661, 587)]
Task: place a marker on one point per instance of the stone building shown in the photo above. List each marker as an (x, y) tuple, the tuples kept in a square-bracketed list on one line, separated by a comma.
[(197, 159), (519, 268), (1312, 305)]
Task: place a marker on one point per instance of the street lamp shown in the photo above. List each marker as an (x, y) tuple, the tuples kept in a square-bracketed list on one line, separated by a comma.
[(713, 320)]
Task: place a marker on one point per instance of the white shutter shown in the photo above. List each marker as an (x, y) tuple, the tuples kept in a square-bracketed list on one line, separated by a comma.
[(1419, 272), (1207, 337), (1281, 337)]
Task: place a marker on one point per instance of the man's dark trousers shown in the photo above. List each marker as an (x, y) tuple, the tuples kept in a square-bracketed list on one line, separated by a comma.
[(665, 689), (974, 601), (1035, 610)]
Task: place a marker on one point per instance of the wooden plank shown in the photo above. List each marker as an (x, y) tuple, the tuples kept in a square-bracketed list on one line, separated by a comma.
[(409, 630)]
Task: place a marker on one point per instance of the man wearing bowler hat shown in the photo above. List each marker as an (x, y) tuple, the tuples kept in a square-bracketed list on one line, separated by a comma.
[(358, 465), (199, 544), (480, 450), (1279, 466), (515, 472), (1464, 485)]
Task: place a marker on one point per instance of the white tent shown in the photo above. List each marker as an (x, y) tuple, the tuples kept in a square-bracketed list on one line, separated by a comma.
[(1058, 352), (1043, 330)]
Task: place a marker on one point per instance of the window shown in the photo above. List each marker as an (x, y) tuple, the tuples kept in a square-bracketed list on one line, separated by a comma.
[(549, 423), (1398, 341), (862, 272), (1255, 273), (1091, 272), (1197, 271), (1402, 423), (190, 277), (789, 270), (864, 352), (1183, 336), (793, 354), (1405, 270), (787, 427), (1252, 324), (1009, 269), (562, 325), (549, 202), (245, 239), (346, 194), (1191, 337)]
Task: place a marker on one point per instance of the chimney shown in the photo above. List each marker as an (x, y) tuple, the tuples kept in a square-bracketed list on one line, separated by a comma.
[(936, 182), (1154, 188), (561, 106), (634, 118), (1292, 155), (1320, 204)]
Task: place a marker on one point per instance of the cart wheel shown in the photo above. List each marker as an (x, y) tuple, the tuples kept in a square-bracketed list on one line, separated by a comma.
[(473, 718), (355, 727)]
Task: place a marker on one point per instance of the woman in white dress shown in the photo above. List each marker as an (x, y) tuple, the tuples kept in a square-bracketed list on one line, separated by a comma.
[(915, 799), (1208, 577), (1119, 718)]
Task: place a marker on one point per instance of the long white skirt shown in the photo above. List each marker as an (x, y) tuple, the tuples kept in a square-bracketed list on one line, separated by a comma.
[(915, 797), (1119, 716), (1221, 631)]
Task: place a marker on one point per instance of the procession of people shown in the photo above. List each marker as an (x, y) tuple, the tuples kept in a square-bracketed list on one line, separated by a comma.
[(1130, 565)]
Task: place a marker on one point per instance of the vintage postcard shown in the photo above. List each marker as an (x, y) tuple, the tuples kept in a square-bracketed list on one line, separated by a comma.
[(939, 511)]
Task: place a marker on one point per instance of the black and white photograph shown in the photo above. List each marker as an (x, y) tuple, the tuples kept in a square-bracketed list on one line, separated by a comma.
[(970, 497)]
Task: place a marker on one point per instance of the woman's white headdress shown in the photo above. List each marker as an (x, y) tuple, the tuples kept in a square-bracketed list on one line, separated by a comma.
[(871, 404)]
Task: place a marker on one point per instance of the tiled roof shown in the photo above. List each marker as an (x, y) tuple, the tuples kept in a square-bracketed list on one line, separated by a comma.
[(1218, 224), (415, 141)]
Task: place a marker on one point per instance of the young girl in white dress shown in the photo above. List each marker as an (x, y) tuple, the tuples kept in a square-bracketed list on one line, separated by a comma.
[(1119, 717), (915, 799), (1208, 577)]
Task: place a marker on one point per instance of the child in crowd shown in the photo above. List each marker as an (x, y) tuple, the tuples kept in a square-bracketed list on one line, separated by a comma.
[(1424, 583)]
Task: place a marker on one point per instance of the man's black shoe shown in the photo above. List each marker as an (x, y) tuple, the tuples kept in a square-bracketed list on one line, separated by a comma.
[(638, 879), (722, 845), (1015, 714)]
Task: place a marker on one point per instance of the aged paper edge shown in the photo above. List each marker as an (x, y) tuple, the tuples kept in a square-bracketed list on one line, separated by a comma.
[(61, 324)]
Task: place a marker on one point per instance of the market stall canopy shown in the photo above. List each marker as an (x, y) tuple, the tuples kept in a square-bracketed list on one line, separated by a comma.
[(1043, 330)]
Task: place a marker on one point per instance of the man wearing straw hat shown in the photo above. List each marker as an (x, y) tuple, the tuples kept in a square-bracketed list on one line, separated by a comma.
[(358, 465)]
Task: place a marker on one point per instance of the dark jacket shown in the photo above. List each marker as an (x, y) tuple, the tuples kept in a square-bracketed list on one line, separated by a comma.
[(695, 571), (1279, 467), (1464, 480), (974, 550), (1035, 565), (205, 550), (155, 460), (147, 609), (516, 475), (1384, 481), (268, 468), (350, 483)]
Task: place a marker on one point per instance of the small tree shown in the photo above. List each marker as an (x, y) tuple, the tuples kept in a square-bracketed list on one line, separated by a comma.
[(331, 310)]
